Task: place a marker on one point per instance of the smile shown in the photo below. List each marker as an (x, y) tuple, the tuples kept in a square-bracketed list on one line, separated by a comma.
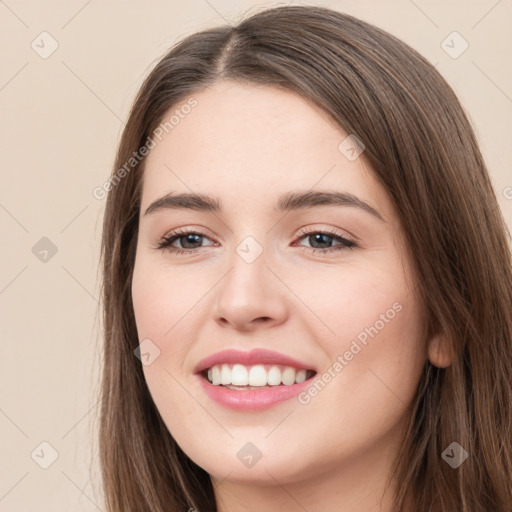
[(252, 381)]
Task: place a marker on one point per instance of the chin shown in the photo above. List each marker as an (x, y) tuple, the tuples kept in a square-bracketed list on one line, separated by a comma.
[(255, 463)]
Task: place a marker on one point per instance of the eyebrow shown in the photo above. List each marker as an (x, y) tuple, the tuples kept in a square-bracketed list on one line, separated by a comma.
[(287, 202)]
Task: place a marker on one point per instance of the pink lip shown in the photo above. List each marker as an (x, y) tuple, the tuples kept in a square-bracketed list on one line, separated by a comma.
[(250, 399), (255, 356)]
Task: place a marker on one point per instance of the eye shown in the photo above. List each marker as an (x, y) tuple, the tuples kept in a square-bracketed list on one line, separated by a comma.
[(188, 237), (190, 241), (319, 237)]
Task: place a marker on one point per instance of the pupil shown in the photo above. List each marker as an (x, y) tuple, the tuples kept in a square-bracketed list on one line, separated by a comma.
[(318, 237), (187, 240)]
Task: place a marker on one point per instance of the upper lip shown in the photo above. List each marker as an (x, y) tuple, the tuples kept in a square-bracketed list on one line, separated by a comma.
[(248, 358)]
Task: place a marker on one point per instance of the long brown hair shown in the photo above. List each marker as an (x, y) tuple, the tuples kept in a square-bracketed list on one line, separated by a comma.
[(423, 151)]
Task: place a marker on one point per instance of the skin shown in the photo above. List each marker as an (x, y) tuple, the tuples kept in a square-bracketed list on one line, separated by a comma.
[(246, 145)]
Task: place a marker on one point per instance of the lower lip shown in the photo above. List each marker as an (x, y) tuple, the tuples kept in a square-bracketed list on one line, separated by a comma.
[(251, 399)]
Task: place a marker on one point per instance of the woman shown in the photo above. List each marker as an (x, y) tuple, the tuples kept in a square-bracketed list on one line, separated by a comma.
[(307, 282)]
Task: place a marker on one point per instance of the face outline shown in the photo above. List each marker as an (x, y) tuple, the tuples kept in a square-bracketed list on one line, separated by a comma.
[(237, 140)]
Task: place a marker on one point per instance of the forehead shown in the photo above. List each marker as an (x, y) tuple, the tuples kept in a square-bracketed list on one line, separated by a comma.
[(243, 141)]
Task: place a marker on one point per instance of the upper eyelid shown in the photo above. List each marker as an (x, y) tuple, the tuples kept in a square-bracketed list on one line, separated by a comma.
[(187, 231)]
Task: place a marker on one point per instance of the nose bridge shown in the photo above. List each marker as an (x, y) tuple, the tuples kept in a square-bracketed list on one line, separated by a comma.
[(247, 278), (251, 249), (248, 292)]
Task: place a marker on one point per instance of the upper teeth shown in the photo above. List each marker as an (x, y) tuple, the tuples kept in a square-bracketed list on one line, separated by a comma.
[(257, 375)]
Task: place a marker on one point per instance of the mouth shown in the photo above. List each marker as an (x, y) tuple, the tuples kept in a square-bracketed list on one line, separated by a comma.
[(242, 377), (252, 381)]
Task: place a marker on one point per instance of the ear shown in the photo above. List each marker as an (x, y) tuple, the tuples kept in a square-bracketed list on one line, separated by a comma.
[(439, 352)]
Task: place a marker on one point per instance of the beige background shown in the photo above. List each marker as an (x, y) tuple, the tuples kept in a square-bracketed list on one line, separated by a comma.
[(62, 117)]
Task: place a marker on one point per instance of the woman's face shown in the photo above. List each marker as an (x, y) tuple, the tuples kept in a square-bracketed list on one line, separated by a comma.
[(248, 278)]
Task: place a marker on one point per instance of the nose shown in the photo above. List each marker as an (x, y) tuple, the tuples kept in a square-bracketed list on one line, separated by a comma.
[(250, 297)]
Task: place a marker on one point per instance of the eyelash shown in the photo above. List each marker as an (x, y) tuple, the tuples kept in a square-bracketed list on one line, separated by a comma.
[(166, 241)]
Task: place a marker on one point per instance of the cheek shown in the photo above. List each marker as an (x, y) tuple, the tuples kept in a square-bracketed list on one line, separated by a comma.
[(352, 302), (162, 298), (161, 302), (370, 331)]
